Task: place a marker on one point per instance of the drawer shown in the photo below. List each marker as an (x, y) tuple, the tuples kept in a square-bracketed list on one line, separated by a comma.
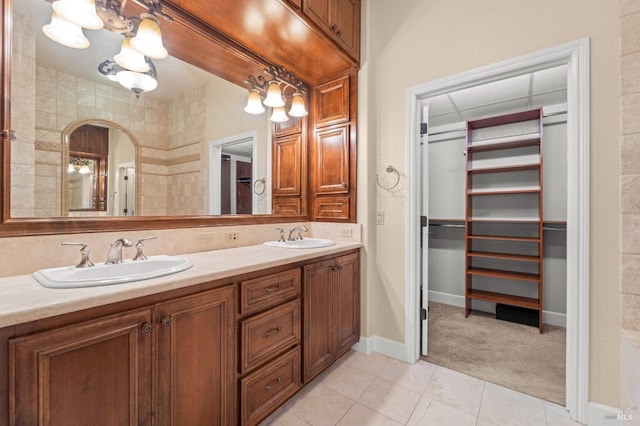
[(265, 335), (266, 389), (265, 292)]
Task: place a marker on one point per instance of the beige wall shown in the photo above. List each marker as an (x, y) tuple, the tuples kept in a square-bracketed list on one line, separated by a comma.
[(415, 41)]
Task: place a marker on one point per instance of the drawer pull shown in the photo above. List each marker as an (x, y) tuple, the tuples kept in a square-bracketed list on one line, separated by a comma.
[(269, 290), (273, 331), (272, 384)]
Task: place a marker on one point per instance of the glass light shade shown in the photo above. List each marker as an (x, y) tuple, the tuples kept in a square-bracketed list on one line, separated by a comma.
[(274, 96), (80, 12), (130, 58), (254, 103), (148, 39), (136, 82), (66, 33), (84, 170), (279, 115), (297, 106), (71, 168)]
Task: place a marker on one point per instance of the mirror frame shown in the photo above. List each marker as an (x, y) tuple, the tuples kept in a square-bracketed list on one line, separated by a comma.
[(15, 227)]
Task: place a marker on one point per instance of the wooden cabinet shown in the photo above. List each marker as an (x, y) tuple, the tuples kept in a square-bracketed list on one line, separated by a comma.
[(333, 152), (504, 233), (331, 294), (138, 367), (289, 168), (340, 19)]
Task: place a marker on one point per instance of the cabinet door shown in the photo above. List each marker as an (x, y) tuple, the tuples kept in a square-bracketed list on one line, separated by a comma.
[(196, 360), (97, 371), (287, 166), (319, 347), (320, 12), (332, 102), (347, 22), (347, 316), (331, 171)]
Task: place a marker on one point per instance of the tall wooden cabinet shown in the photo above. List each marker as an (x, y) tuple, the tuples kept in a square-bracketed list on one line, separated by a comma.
[(289, 170), (504, 233), (331, 311), (169, 364), (340, 19)]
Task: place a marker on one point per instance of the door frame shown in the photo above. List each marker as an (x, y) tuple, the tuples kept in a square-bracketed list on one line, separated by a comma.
[(576, 55)]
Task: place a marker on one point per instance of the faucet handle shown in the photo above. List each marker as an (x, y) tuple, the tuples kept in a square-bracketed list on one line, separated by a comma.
[(140, 246), (85, 262), (281, 239)]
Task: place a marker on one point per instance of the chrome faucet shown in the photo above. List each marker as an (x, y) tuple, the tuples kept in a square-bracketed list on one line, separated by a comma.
[(296, 232), (115, 252)]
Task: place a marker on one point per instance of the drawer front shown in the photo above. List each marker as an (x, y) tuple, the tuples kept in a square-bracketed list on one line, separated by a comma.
[(265, 335), (266, 389), (265, 292)]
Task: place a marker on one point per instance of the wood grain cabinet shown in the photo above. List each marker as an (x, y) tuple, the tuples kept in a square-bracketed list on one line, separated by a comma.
[(340, 19), (331, 294), (136, 368)]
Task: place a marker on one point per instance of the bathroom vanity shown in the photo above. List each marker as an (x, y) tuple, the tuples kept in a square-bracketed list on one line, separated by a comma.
[(225, 342)]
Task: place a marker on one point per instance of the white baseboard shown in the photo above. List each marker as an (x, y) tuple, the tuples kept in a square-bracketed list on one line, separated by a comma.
[(603, 415), (383, 346), (548, 317)]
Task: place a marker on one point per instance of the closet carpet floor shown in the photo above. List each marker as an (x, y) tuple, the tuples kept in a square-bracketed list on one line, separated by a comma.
[(513, 355)]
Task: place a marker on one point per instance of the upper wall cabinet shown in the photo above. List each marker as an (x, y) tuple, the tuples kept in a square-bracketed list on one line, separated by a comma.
[(340, 19)]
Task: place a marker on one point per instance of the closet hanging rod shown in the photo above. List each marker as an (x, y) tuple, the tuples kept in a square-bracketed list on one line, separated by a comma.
[(447, 225)]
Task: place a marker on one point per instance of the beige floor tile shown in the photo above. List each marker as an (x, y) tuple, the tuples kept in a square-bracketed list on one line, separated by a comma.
[(390, 400), (440, 414), (484, 423), (321, 406), (347, 380), (373, 363), (359, 415), (557, 415), (512, 394), (456, 390), (507, 410), (413, 377), (283, 418)]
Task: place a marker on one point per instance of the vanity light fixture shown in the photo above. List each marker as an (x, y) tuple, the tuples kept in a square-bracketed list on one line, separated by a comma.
[(143, 38), (275, 90), (78, 165)]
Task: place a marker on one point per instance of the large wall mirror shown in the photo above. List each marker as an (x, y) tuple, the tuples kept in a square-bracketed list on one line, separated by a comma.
[(56, 89)]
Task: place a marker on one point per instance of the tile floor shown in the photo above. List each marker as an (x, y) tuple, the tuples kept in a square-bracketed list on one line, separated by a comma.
[(366, 390)]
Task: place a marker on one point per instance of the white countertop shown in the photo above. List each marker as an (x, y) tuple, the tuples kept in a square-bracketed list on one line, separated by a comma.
[(23, 299)]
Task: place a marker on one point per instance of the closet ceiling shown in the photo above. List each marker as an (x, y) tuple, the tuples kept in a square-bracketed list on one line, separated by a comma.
[(539, 88)]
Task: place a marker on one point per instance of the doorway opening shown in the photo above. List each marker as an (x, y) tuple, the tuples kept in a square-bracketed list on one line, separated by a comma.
[(575, 56)]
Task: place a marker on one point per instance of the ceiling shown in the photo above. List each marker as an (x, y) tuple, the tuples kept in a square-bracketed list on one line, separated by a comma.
[(527, 91), (174, 76)]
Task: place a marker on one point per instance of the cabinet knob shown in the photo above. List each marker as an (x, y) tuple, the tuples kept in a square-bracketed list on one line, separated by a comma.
[(272, 384), (166, 322), (273, 331), (334, 28), (338, 31), (146, 328)]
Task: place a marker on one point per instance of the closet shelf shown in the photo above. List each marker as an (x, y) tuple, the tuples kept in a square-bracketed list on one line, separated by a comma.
[(524, 302), (505, 169), (495, 144), (504, 191), (505, 238), (509, 275), (504, 256)]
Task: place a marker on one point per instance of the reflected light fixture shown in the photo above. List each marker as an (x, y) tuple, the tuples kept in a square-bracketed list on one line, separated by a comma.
[(65, 33), (84, 169), (143, 38), (275, 91)]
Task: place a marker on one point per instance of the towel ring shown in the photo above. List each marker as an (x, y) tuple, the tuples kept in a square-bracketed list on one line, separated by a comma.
[(264, 186), (389, 169)]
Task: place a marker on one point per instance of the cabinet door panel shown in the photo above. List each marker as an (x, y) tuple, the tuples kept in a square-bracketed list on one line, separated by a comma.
[(319, 11), (347, 21), (333, 102), (319, 350), (196, 358), (287, 165), (332, 157), (347, 302), (76, 375)]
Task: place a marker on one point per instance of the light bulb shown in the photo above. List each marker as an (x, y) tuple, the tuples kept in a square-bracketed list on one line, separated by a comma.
[(66, 33), (130, 58), (274, 96), (80, 12), (297, 106), (254, 103), (148, 39)]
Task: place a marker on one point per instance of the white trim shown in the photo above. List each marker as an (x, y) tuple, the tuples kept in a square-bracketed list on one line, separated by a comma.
[(576, 55), (598, 415), (383, 346), (548, 317)]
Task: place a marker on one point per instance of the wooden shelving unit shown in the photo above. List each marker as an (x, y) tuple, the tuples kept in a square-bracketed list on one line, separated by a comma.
[(503, 224)]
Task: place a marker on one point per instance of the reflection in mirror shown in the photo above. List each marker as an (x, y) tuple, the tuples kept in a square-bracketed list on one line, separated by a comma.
[(54, 86)]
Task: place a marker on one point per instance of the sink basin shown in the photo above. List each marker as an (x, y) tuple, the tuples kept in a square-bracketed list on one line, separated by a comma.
[(306, 243), (101, 274)]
